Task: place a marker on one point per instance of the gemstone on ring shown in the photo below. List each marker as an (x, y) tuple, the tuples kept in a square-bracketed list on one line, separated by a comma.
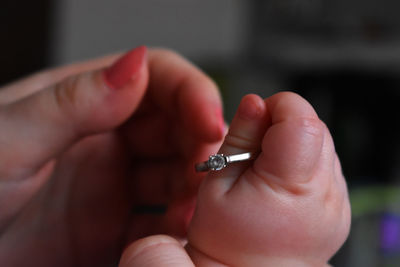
[(216, 162)]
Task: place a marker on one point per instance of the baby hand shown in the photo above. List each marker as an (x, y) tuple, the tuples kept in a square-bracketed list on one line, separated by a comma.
[(288, 207)]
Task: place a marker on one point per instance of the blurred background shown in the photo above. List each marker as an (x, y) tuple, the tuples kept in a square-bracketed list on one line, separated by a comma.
[(343, 56)]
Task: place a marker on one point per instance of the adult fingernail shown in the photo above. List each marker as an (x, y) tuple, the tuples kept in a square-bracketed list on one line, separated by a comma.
[(126, 68)]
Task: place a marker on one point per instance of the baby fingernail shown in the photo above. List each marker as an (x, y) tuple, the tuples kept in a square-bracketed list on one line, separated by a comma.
[(249, 108)]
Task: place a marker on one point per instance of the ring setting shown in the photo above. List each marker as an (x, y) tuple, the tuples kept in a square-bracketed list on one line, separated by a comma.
[(217, 162)]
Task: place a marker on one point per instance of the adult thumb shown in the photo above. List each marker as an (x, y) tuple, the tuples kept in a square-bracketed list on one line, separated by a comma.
[(40, 126), (156, 251)]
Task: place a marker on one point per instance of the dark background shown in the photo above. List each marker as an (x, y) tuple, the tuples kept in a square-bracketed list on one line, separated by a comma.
[(342, 56), (24, 37)]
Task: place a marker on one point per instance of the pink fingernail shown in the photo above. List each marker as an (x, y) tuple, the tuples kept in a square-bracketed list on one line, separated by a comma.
[(125, 68)]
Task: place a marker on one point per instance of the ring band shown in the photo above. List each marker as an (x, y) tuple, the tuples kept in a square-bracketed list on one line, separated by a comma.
[(217, 162)]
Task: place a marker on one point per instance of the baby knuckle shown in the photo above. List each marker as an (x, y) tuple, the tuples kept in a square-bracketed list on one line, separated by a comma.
[(312, 126)]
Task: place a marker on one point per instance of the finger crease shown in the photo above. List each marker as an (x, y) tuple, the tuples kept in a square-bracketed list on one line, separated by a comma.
[(240, 142)]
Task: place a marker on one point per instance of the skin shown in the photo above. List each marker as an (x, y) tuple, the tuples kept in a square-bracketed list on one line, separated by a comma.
[(77, 157), (289, 207)]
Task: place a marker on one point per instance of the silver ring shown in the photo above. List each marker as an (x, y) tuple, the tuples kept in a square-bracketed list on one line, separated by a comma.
[(217, 162)]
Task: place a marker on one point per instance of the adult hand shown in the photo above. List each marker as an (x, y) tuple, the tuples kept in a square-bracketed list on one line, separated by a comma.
[(83, 147)]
